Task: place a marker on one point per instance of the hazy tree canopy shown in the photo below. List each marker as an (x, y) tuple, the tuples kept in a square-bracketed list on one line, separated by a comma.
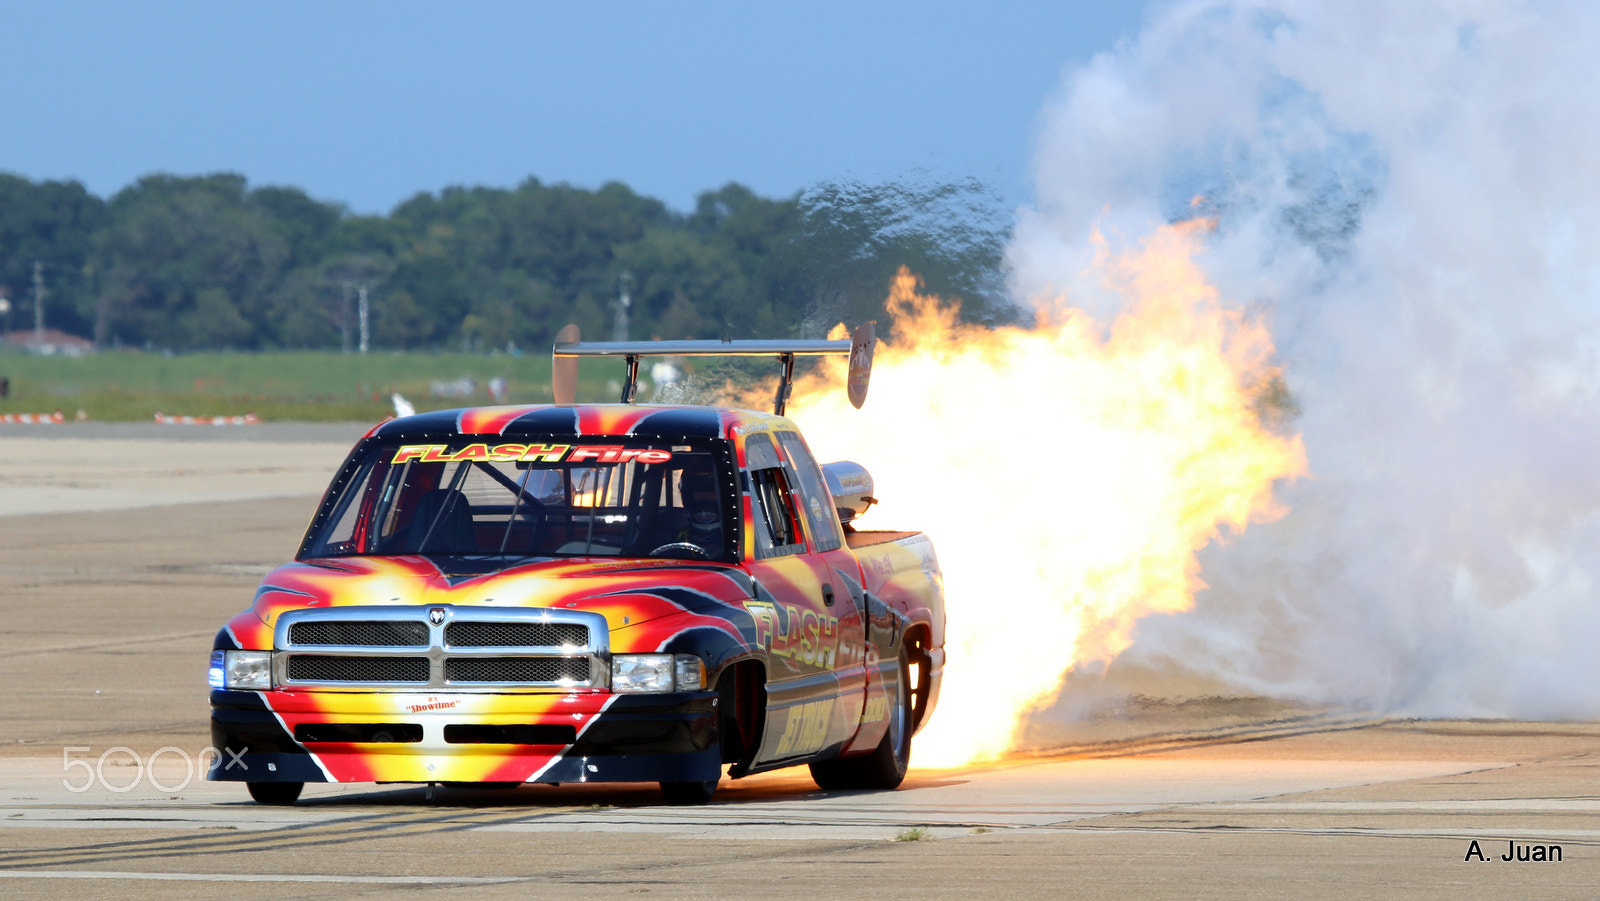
[(54, 224), (188, 263), (208, 262)]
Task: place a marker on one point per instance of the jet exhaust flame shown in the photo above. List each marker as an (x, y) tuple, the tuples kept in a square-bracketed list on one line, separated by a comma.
[(1410, 188), (1068, 472)]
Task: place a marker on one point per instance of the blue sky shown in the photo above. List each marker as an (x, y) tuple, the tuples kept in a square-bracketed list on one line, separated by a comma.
[(367, 103)]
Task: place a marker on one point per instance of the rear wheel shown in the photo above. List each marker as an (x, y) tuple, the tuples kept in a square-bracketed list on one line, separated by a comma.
[(687, 793), (275, 792), (884, 768)]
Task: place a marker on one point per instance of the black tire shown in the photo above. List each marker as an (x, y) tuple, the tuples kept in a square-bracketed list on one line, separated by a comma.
[(884, 768), (275, 792), (688, 793)]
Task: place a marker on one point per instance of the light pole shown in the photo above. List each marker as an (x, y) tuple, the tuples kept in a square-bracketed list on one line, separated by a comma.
[(344, 322), (619, 325), (361, 306), (38, 305)]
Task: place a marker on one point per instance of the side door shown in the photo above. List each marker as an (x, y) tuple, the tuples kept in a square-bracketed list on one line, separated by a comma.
[(794, 614), (839, 568)]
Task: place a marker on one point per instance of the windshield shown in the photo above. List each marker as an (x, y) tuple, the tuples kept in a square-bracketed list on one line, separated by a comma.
[(559, 497)]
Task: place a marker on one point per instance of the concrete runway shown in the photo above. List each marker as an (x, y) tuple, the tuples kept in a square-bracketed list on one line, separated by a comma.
[(107, 614)]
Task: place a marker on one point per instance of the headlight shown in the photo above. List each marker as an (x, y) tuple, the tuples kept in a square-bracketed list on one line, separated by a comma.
[(691, 673), (251, 670), (657, 672)]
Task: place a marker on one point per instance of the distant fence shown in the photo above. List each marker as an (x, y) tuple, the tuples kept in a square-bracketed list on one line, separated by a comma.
[(34, 418), (246, 419)]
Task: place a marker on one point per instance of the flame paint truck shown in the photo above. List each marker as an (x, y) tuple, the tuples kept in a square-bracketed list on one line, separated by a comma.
[(586, 593)]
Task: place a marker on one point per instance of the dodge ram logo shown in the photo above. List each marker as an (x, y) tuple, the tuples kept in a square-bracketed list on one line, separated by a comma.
[(436, 615)]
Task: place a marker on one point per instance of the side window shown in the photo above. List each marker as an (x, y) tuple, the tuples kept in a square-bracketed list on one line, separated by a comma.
[(339, 533), (760, 452), (825, 529), (777, 528)]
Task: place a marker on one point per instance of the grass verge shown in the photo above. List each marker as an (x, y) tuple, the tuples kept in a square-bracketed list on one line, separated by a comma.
[(301, 386)]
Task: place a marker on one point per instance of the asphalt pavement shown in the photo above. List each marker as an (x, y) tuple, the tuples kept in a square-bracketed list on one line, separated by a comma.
[(107, 614)]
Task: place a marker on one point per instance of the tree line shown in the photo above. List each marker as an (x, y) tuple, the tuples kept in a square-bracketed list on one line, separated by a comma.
[(209, 262)]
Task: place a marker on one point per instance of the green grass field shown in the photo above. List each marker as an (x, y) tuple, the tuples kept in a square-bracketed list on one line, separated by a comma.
[(299, 386), (313, 386)]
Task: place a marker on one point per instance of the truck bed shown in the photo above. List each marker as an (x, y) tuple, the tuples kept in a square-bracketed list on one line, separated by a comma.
[(860, 539)]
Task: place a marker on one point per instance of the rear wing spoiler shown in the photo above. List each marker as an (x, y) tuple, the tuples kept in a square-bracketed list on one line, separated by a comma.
[(567, 350)]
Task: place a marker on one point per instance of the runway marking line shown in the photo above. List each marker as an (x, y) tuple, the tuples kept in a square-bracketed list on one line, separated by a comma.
[(130, 641), (262, 877), (165, 729), (1568, 836), (284, 837)]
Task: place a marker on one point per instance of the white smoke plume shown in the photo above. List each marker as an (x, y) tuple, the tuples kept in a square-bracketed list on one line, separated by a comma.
[(1410, 192)]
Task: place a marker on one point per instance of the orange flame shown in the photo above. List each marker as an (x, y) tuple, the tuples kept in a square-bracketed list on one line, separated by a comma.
[(1067, 474)]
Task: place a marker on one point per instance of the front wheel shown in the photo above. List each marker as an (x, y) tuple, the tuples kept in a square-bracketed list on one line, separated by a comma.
[(688, 793), (275, 792), (885, 767)]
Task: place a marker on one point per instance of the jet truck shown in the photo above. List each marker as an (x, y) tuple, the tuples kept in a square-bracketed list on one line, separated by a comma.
[(576, 592)]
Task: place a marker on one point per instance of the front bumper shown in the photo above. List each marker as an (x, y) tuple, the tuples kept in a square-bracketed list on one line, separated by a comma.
[(300, 736)]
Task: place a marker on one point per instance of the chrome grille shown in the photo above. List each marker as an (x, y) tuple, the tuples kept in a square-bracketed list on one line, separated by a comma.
[(360, 633), (516, 669), (326, 668), (470, 634), (410, 648)]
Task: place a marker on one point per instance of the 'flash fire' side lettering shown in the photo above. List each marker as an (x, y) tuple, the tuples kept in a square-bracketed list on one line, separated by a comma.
[(615, 453), (544, 453), (808, 638), (827, 641), (408, 453), (597, 452)]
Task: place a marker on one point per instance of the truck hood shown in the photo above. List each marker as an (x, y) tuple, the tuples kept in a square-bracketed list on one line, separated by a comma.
[(627, 592)]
